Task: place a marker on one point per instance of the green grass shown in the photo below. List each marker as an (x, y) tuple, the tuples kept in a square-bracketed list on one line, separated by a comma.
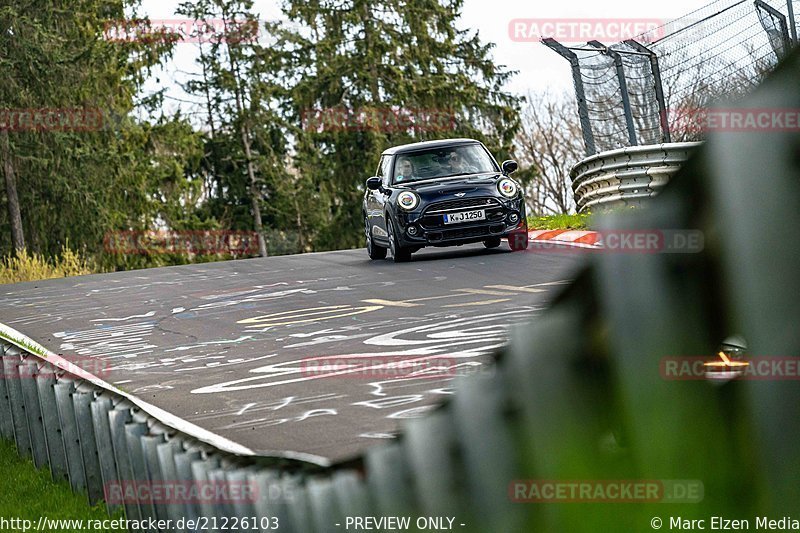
[(27, 493), (581, 221), (19, 342)]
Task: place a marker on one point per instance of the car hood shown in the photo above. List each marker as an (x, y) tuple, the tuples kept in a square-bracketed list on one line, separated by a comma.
[(480, 184)]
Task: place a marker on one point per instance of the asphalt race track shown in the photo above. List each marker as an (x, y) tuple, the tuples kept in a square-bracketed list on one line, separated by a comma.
[(230, 346)]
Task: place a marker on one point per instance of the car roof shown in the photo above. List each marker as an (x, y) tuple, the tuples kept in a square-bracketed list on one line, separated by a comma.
[(441, 143)]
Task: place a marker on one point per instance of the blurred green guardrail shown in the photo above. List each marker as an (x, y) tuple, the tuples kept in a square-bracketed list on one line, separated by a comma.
[(576, 395)]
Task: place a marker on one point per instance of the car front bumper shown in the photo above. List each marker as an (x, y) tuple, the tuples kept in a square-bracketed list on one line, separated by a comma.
[(428, 229)]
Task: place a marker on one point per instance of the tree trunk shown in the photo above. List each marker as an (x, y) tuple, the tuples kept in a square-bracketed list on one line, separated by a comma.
[(262, 245), (14, 216), (245, 134)]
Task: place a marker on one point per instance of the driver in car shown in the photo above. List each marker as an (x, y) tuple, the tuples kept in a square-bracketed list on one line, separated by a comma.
[(458, 165), (405, 170)]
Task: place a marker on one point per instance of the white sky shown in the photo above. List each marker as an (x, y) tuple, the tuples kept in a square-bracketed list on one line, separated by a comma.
[(538, 67)]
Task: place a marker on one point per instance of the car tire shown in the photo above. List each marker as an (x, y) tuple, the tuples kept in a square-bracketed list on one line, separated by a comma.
[(400, 254), (494, 242), (373, 250), (518, 241)]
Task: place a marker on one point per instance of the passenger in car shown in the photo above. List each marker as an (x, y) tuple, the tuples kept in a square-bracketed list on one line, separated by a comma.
[(405, 170)]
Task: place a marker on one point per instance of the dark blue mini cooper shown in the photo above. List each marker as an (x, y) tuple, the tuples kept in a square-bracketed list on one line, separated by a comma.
[(442, 193)]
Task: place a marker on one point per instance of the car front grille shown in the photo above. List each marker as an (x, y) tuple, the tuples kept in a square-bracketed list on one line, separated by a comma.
[(465, 233), (433, 216), (462, 203)]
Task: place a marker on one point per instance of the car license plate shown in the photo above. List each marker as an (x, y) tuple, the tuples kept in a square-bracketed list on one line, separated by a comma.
[(464, 216)]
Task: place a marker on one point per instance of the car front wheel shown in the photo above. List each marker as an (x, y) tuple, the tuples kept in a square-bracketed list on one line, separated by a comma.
[(400, 254), (374, 251), (494, 242)]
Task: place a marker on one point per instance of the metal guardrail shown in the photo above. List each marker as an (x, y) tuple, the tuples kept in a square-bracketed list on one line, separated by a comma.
[(575, 395), (626, 176)]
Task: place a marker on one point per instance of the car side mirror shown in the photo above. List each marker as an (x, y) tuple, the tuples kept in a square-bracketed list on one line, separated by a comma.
[(374, 183), (509, 166)]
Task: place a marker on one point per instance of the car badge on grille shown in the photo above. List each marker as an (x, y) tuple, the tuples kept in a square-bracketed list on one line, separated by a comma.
[(460, 194)]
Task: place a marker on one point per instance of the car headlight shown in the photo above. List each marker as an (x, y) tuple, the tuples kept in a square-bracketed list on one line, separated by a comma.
[(507, 188), (408, 200)]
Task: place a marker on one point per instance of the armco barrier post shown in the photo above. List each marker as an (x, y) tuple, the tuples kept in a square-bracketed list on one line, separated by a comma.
[(82, 399), (22, 437), (64, 391), (56, 453), (322, 501), (101, 407), (6, 420), (200, 471), (166, 463), (388, 475), (134, 432), (216, 477), (30, 395), (150, 454), (242, 507), (183, 469), (117, 418)]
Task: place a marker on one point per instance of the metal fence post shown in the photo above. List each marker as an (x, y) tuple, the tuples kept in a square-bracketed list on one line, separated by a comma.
[(134, 432), (57, 455), (64, 391), (200, 476), (117, 418), (659, 87), (82, 400), (150, 454), (183, 472), (22, 437), (623, 88), (101, 407), (6, 419), (583, 110), (166, 462), (33, 411)]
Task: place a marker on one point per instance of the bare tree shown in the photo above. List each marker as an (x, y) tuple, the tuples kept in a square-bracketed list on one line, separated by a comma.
[(550, 143)]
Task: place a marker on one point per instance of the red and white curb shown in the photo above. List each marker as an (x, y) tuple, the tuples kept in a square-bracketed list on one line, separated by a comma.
[(579, 239)]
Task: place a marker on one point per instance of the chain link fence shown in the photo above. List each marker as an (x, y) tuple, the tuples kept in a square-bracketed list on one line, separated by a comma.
[(654, 88)]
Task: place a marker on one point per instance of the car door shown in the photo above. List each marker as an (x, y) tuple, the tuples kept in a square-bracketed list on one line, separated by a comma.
[(376, 200)]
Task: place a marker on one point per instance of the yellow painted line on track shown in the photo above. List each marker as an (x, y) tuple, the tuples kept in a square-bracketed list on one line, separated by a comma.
[(514, 289), (482, 302), (302, 316), (391, 303), (433, 297), (483, 291)]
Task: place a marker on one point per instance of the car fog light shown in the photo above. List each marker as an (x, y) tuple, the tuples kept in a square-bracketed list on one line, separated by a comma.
[(412, 230), (513, 218)]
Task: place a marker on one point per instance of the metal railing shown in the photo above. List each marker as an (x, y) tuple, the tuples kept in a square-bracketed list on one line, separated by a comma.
[(626, 176), (577, 394)]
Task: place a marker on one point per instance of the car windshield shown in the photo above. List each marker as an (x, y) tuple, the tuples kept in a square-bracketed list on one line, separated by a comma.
[(442, 162)]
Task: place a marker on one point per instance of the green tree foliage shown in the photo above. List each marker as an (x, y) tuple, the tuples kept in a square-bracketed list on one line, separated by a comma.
[(357, 56), (259, 158), (246, 144), (106, 171)]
